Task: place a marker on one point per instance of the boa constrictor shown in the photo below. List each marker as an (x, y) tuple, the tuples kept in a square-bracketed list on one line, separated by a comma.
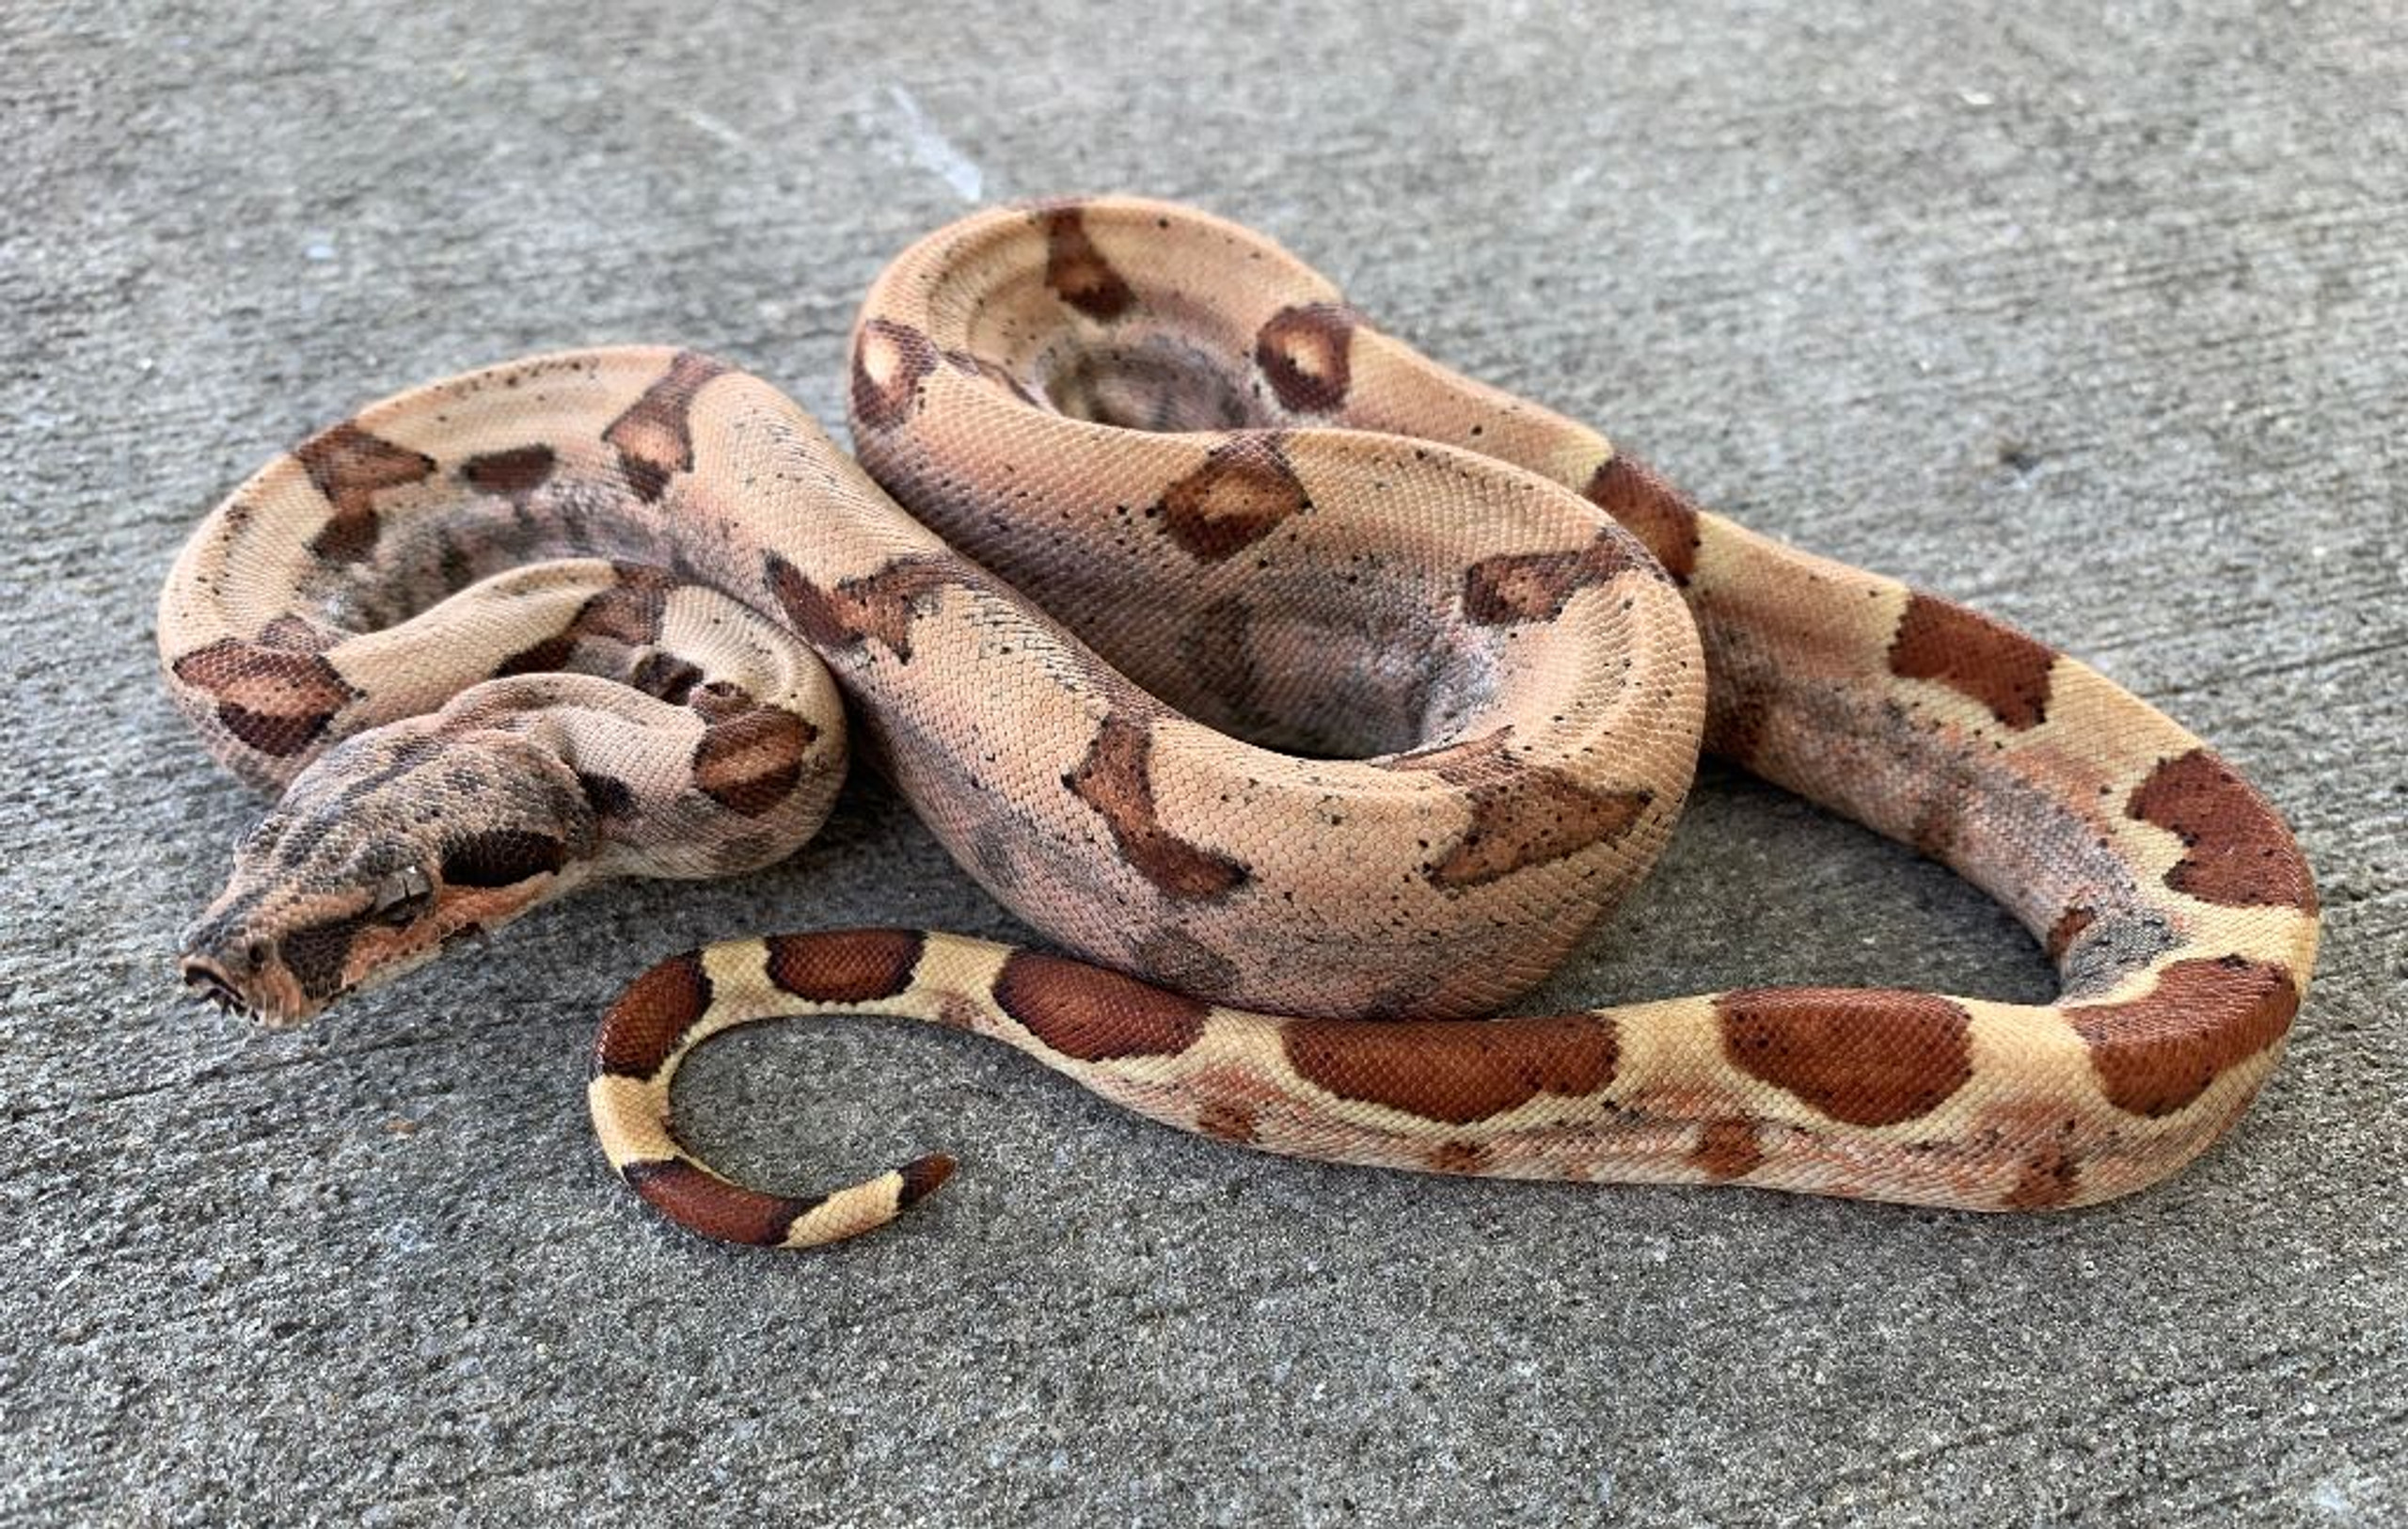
[(1311, 696)]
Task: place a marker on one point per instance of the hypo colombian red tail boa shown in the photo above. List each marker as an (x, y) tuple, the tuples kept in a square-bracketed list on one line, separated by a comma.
[(1294, 676)]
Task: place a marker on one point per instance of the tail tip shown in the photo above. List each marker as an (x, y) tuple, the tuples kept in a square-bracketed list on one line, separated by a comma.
[(921, 1177)]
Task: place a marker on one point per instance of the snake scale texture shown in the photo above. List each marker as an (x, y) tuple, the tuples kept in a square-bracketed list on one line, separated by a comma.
[(1308, 698)]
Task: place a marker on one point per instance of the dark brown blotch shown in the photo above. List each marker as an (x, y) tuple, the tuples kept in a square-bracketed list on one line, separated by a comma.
[(2048, 1180), (1114, 779), (630, 610), (1181, 961), (878, 607), (2158, 1053), (509, 474), (606, 795), (1091, 1014), (1544, 816), (849, 966), (655, 438), (276, 701), (1727, 1149), (627, 612), (2239, 852), (502, 857), (643, 1027), (351, 466), (317, 955), (1244, 491), (1304, 352), (1453, 1071), (1740, 705), (347, 536), (720, 699), (1520, 816), (1516, 587), (546, 657), (754, 761), (702, 1201), (1976, 656), (1457, 1155), (1867, 1056), (1077, 272), (1663, 518), (921, 1177), (664, 676), (1228, 1120)]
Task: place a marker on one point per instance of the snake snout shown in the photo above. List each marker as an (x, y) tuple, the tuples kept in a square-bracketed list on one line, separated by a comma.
[(204, 979), (224, 967)]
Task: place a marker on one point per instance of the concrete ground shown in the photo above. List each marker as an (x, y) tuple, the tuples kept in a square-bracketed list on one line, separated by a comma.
[(2092, 317)]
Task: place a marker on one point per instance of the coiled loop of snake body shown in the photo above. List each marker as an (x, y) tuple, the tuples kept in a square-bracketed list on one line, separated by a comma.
[(1309, 695)]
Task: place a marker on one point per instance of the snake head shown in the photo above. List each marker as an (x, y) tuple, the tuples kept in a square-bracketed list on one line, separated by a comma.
[(392, 846)]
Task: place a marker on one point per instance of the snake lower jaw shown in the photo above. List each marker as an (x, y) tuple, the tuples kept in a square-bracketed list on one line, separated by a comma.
[(272, 1001)]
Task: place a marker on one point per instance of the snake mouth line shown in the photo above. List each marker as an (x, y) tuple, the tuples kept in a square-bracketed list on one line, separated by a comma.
[(208, 981), (213, 984)]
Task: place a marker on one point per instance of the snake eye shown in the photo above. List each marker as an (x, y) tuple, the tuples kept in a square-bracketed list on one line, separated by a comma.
[(402, 897)]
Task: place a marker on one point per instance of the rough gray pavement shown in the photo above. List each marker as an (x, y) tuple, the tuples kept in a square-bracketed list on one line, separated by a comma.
[(2094, 317)]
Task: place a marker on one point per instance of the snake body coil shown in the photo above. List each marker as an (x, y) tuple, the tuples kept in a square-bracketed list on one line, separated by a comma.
[(1237, 648)]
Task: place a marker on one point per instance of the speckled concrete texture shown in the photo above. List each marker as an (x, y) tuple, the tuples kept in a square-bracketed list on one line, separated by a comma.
[(2093, 316)]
